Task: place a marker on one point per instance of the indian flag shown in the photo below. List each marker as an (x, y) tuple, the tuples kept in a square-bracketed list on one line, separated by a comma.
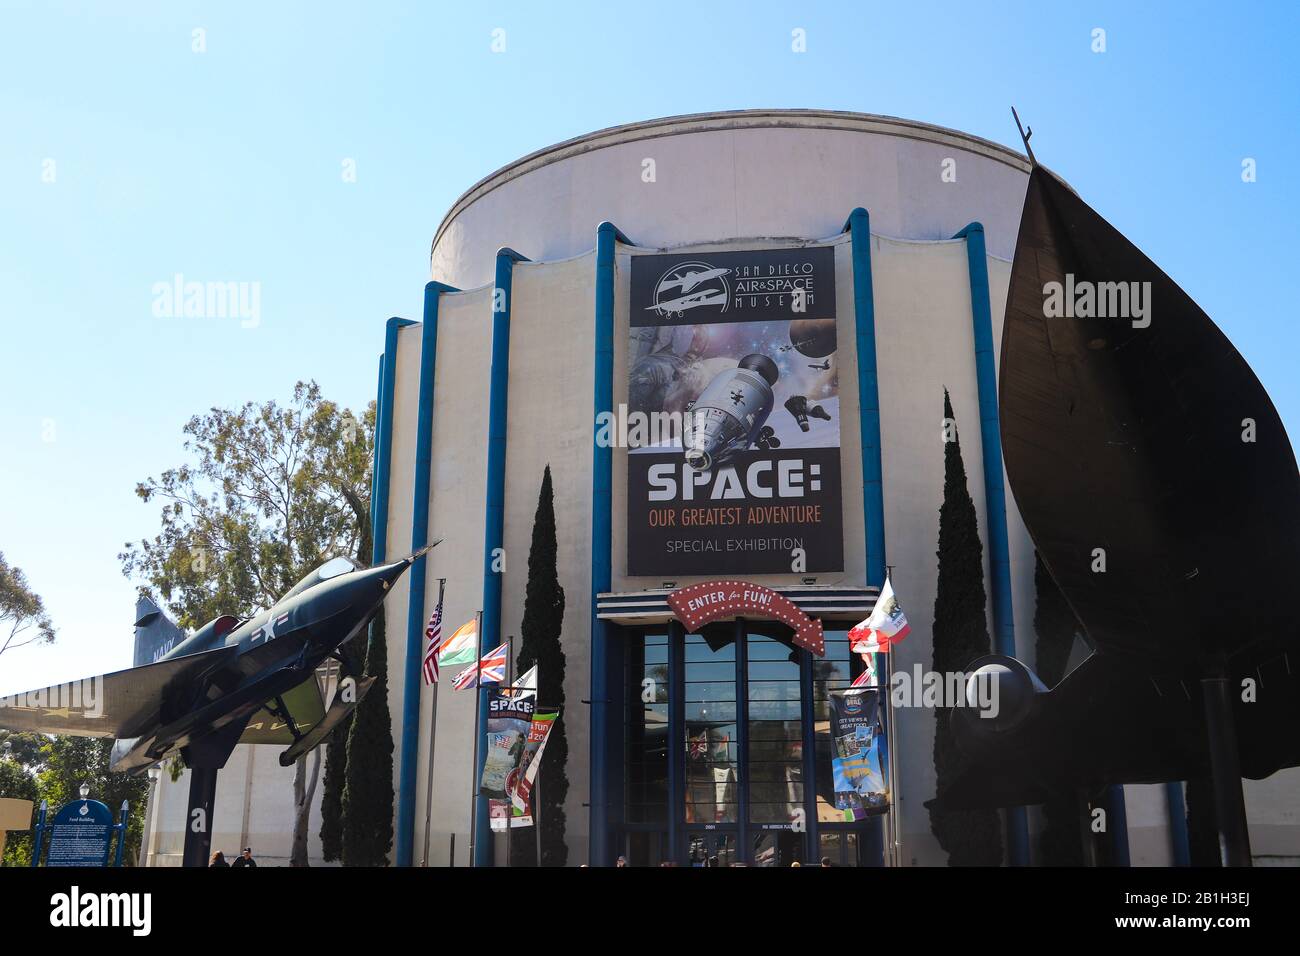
[(462, 646)]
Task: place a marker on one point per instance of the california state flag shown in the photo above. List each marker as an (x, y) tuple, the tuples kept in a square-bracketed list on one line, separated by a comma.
[(884, 627)]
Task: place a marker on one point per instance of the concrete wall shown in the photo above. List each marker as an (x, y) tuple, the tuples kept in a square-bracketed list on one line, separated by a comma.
[(254, 808), (1273, 816), (723, 175), (549, 423), (456, 514)]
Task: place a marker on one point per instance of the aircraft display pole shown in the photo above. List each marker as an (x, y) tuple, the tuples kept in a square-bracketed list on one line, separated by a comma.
[(473, 770), (198, 816), (1225, 770), (433, 739)]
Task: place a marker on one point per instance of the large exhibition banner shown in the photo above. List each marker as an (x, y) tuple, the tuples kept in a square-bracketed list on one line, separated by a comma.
[(733, 424)]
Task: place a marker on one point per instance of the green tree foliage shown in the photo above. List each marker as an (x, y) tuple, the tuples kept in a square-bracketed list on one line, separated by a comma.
[(23, 619), (55, 772), (1055, 627), (367, 804), (16, 783), (540, 644), (970, 837), (270, 493)]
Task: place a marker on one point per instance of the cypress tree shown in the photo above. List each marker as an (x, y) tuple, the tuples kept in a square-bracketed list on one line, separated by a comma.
[(368, 790), (1055, 627), (336, 758), (540, 645), (331, 803), (970, 837)]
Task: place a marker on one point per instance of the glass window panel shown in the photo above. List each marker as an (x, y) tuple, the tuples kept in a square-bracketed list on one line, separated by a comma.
[(773, 670), (723, 671), (782, 710), (646, 732), (712, 744)]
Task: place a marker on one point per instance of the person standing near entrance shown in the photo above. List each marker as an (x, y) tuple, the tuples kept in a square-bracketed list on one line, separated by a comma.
[(244, 859)]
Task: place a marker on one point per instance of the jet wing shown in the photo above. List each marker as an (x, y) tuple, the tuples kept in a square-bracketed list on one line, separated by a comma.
[(305, 706), (121, 704)]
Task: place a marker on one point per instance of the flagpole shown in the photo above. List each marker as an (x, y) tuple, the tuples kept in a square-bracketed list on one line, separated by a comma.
[(891, 742), (535, 794), (473, 770), (433, 735), (510, 805)]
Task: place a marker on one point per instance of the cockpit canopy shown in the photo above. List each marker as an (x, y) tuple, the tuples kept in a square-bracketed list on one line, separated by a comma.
[(330, 569)]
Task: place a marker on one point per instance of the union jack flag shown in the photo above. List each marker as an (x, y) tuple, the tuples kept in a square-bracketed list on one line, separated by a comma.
[(491, 669), (434, 633)]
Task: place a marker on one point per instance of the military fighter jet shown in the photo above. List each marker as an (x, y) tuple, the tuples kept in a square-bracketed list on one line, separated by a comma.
[(219, 685)]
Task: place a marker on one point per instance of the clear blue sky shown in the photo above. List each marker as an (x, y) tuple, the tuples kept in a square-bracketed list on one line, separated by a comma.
[(226, 165)]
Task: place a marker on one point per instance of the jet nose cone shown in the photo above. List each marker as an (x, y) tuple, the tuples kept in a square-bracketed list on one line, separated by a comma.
[(361, 590), (381, 576)]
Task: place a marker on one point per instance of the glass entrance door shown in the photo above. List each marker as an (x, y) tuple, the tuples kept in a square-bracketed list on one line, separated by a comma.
[(712, 848), (728, 752)]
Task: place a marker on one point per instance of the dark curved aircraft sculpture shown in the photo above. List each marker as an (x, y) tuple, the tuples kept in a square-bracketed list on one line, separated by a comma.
[(1149, 437)]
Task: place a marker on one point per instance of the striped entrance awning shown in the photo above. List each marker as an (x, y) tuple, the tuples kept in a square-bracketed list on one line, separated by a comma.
[(651, 606)]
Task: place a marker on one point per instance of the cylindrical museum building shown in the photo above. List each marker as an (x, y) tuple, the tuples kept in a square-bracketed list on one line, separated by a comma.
[(729, 336)]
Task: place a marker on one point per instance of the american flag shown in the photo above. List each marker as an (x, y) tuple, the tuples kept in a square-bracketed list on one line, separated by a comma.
[(434, 633), (491, 669)]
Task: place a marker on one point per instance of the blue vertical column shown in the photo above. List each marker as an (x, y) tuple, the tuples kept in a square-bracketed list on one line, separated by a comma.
[(384, 441), (1180, 845), (744, 847), (808, 717), (1117, 825), (494, 526), (995, 500), (864, 324), (873, 494), (676, 741), (602, 468), (383, 457), (415, 606)]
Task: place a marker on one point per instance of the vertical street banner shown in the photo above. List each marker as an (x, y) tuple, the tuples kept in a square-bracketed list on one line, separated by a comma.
[(732, 421), (859, 780), (510, 714)]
